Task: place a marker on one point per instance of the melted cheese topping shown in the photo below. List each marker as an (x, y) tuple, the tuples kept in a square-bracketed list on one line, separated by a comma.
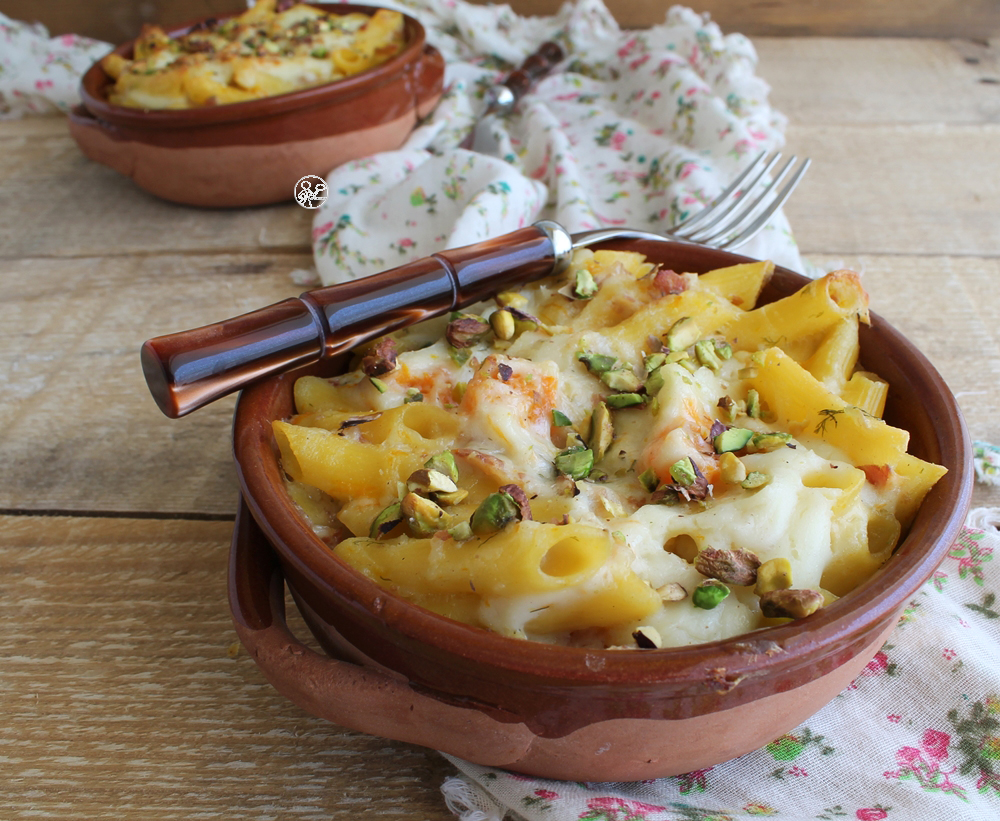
[(609, 554), (259, 53)]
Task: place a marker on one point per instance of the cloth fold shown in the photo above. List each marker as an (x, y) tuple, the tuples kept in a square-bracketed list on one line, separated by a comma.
[(635, 129), (915, 736)]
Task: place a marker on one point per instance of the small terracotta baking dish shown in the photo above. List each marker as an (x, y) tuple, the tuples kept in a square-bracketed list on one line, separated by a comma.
[(396, 670), (254, 152)]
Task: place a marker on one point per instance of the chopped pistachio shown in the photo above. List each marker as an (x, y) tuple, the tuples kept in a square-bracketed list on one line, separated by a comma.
[(602, 430), (709, 594), (597, 363), (653, 361), (647, 638), (689, 364), (732, 470), (584, 286), (622, 380), (424, 516), (511, 299), (723, 349), (676, 356), (728, 407), (704, 350), (516, 492), (732, 439), (624, 400), (575, 462), (465, 330), (378, 384), (683, 334), (654, 382), (672, 591), (737, 567), (452, 497), (494, 513), (412, 395), (381, 358), (444, 462), (753, 404), (754, 480), (428, 480), (747, 373), (458, 390), (560, 419), (386, 520), (649, 480), (790, 604), (460, 532), (683, 472), (502, 323), (774, 574), (766, 442)]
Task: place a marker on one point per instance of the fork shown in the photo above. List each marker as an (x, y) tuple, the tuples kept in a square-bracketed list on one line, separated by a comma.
[(187, 370)]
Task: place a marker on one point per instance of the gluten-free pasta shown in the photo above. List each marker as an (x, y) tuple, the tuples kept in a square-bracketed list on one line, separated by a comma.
[(618, 456), (260, 53)]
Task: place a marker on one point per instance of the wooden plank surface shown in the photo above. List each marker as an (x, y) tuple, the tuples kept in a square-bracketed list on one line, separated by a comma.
[(118, 20), (119, 695), (124, 692)]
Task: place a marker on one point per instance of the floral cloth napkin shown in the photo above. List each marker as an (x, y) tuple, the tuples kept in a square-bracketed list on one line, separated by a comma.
[(40, 74), (916, 737), (635, 128)]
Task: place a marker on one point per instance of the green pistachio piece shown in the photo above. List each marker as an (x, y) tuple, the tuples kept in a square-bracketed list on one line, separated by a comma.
[(597, 363), (654, 382), (412, 395), (428, 480), (502, 323), (575, 462), (649, 480), (621, 380), (511, 299), (683, 334), (560, 419), (682, 471), (494, 513), (386, 520), (602, 431), (452, 497), (732, 439), (704, 351), (766, 442), (723, 349), (460, 532), (790, 604), (444, 462), (465, 330), (689, 364), (774, 574), (653, 361), (624, 400), (378, 384), (647, 638), (732, 470), (754, 480), (709, 594), (753, 404), (584, 286), (424, 516)]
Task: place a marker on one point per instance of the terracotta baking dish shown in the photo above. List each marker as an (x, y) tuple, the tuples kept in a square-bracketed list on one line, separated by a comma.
[(254, 152), (398, 671)]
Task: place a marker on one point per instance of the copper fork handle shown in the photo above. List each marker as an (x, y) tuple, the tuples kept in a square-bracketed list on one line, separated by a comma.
[(187, 370)]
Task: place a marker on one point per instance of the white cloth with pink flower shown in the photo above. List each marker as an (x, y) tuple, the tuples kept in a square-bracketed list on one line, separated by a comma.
[(916, 737), (635, 128), (40, 74)]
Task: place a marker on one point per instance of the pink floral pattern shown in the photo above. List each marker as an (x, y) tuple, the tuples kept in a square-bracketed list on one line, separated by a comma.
[(634, 128), (917, 735)]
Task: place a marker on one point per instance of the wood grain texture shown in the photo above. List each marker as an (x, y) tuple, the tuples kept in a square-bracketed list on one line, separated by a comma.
[(118, 20), (123, 694)]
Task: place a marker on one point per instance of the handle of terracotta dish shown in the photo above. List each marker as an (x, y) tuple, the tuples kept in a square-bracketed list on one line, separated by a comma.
[(355, 697), (536, 66), (187, 370)]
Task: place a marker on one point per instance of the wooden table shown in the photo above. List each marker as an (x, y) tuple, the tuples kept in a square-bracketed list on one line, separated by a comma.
[(123, 691)]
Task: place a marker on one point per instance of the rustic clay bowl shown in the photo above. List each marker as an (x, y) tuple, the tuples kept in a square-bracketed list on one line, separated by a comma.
[(402, 672), (254, 152)]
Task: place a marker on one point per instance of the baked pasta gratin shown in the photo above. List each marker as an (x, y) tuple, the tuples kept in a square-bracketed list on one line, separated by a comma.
[(621, 456), (259, 53)]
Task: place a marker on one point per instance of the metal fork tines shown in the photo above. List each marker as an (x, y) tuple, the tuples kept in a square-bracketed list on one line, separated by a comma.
[(744, 207)]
